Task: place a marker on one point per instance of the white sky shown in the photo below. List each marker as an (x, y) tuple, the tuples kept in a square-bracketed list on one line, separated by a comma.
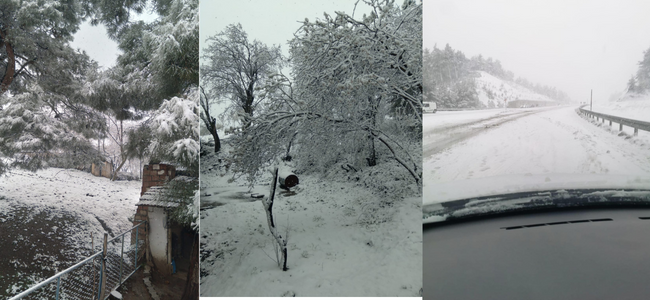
[(574, 45), (94, 40), (271, 22)]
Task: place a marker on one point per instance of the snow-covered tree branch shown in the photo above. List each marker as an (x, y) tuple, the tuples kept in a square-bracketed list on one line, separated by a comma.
[(355, 96)]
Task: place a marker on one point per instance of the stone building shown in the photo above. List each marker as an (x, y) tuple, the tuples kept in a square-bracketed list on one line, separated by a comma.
[(165, 240)]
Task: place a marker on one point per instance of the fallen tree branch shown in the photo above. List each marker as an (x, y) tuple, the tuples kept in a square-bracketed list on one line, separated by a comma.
[(268, 207)]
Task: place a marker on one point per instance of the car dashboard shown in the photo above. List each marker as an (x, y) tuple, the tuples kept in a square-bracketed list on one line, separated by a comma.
[(573, 253)]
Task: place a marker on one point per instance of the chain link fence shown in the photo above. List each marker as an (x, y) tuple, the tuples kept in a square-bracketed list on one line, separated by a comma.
[(99, 273)]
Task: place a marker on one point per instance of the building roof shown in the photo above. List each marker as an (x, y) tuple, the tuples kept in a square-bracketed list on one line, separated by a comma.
[(152, 196)]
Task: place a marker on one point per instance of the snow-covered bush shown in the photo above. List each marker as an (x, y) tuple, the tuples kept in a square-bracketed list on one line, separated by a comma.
[(355, 97)]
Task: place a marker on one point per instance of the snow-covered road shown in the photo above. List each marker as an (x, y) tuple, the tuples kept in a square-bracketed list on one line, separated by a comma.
[(527, 142), (448, 128)]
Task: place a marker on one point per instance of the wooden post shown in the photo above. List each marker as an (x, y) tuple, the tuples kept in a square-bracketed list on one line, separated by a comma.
[(169, 246), (620, 127), (268, 207), (104, 272)]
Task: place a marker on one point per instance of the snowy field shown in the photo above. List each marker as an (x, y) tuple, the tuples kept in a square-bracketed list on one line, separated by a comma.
[(546, 142), (46, 219), (344, 240)]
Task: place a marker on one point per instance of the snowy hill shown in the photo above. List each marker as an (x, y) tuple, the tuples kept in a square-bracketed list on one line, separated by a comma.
[(47, 217), (630, 105), (495, 90)]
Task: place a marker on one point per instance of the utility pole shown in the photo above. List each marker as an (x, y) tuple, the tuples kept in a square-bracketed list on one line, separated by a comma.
[(591, 100)]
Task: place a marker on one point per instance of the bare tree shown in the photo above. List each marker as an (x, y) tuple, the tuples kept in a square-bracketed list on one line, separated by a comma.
[(237, 68)]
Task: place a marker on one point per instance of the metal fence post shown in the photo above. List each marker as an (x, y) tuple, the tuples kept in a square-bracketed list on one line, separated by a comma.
[(137, 230), (58, 287), (121, 259), (99, 288), (103, 281)]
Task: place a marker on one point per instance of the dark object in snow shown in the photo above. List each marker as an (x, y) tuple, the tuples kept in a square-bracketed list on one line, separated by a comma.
[(287, 180), (348, 168), (289, 294), (256, 195)]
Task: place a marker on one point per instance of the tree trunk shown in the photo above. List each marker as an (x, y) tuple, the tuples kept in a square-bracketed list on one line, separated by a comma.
[(215, 135), (119, 167), (372, 159), (287, 156), (192, 282), (8, 77), (372, 115)]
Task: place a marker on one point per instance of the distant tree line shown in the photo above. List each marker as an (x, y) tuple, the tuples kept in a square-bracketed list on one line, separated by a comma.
[(449, 78)]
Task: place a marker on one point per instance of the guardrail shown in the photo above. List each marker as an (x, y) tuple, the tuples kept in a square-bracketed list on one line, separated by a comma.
[(635, 124), (95, 276)]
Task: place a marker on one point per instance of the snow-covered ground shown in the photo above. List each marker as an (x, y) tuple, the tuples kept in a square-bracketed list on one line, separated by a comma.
[(637, 108), (543, 142), (48, 217), (502, 89), (343, 239)]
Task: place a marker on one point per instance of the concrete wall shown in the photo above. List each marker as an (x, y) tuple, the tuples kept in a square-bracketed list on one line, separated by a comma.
[(158, 239), (105, 170)]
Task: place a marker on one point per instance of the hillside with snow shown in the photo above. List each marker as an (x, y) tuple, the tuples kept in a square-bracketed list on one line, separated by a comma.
[(47, 218), (492, 91), (630, 105)]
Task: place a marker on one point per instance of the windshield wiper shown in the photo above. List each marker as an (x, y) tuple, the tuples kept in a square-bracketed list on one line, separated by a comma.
[(533, 201)]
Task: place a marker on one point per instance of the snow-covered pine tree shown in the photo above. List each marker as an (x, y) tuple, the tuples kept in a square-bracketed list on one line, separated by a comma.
[(162, 56), (643, 73), (631, 85), (44, 120)]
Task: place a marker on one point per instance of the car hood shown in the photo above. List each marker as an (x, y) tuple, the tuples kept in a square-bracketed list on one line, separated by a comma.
[(509, 193)]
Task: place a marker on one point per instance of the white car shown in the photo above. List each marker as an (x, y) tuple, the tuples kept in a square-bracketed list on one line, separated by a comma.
[(429, 107)]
